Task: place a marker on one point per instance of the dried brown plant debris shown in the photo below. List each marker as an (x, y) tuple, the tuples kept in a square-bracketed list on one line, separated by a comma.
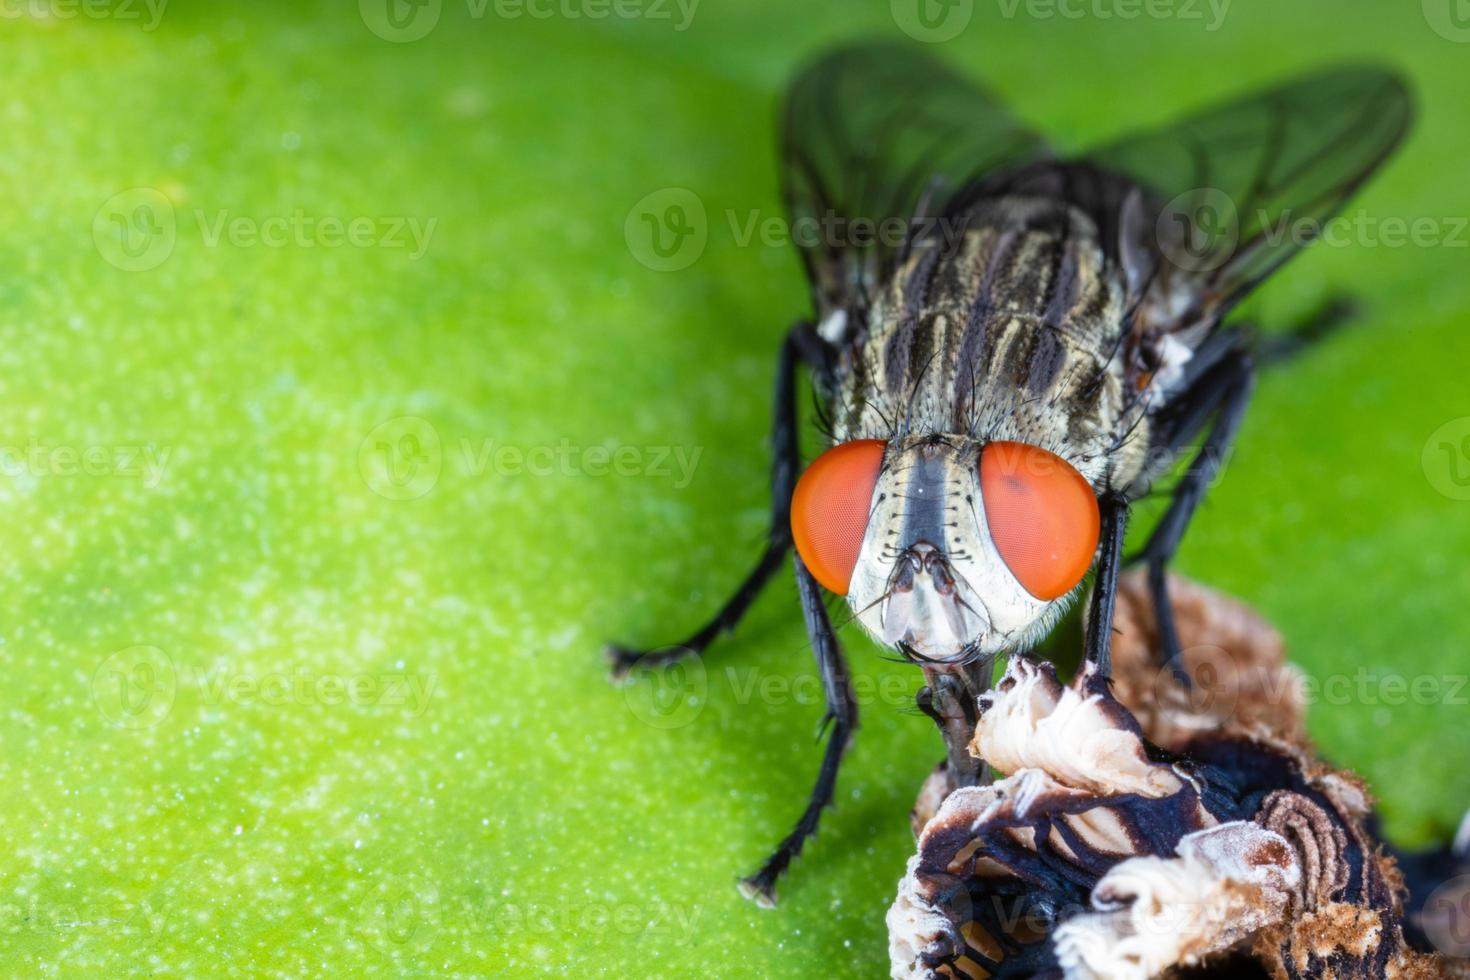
[(1164, 831)]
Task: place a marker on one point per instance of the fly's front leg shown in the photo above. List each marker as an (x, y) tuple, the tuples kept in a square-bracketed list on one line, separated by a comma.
[(801, 344), (842, 713), (1097, 647), (951, 699), (1223, 393)]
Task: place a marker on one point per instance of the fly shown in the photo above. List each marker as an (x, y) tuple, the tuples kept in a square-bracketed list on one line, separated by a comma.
[(1009, 347)]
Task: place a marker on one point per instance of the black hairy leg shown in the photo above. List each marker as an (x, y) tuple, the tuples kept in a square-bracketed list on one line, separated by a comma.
[(1218, 399), (841, 722), (802, 345)]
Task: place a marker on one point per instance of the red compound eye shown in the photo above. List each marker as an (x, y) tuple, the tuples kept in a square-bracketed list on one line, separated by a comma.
[(829, 510), (1042, 514)]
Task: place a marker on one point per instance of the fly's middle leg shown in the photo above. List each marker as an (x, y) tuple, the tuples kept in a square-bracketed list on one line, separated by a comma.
[(1222, 394), (801, 345)]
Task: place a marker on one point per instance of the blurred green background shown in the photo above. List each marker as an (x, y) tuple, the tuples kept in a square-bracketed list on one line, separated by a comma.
[(348, 410)]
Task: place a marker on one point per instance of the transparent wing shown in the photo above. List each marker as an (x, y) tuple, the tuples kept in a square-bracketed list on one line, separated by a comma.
[(877, 141), (1234, 192)]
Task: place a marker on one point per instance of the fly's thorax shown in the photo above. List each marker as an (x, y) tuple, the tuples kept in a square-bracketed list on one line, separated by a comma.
[(930, 577), (1012, 330)]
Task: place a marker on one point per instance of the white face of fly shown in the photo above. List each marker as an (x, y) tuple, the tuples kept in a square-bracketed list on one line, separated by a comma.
[(929, 579)]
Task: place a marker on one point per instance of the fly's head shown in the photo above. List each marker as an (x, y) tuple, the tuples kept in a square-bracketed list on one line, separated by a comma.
[(947, 548)]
